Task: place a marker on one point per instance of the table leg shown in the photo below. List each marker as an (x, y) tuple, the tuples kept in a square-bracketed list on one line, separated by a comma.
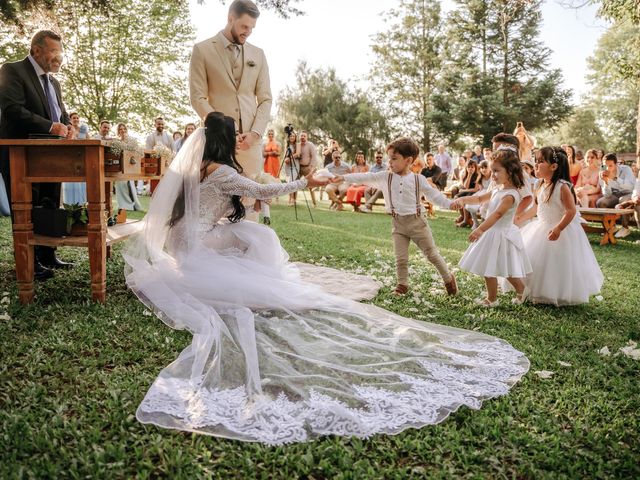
[(108, 187), (609, 225), (96, 227), (22, 226)]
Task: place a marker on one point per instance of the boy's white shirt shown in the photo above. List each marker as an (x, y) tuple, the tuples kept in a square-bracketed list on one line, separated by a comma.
[(403, 190)]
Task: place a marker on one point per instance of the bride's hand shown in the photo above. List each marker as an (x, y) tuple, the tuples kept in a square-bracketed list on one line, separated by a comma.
[(313, 182)]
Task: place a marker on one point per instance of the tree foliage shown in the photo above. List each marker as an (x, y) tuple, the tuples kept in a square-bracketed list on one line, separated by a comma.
[(502, 74), (615, 95), (327, 107), (13, 11), (127, 64), (407, 68)]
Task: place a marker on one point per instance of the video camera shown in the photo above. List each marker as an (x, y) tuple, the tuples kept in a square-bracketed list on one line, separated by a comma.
[(289, 129)]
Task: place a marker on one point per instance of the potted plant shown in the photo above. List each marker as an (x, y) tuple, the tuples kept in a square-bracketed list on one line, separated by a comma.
[(77, 218)]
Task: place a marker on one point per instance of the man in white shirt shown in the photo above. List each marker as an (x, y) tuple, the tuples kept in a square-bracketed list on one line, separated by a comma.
[(617, 183), (443, 160), (160, 137), (372, 194), (105, 131), (336, 191)]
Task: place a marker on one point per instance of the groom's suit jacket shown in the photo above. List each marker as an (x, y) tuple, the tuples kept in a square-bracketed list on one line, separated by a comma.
[(213, 88), (24, 110)]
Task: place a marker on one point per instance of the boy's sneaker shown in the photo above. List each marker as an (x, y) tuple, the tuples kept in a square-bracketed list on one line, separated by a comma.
[(365, 209)]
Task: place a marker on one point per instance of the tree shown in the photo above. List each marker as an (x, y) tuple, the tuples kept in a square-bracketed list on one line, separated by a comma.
[(407, 67), (615, 96), (626, 67), (503, 75), (111, 72), (327, 108), (13, 11)]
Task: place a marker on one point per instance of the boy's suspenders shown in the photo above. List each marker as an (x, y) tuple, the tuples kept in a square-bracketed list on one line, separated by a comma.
[(393, 210)]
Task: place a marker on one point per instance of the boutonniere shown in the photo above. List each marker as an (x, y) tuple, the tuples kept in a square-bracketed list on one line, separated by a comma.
[(251, 63)]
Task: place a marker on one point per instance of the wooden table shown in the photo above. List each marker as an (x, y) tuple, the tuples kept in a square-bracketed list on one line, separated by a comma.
[(607, 217), (42, 161)]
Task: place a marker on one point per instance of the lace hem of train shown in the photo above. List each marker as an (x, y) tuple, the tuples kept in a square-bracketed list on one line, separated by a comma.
[(412, 402)]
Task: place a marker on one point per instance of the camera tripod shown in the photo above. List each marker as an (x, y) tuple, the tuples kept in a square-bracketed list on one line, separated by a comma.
[(288, 155)]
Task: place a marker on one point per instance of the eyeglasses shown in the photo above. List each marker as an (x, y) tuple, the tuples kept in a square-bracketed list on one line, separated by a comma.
[(378, 158)]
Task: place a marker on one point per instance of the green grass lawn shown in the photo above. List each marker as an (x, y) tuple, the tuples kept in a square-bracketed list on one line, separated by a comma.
[(72, 374)]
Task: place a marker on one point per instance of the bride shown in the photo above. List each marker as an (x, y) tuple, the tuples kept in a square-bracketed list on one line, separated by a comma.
[(275, 359)]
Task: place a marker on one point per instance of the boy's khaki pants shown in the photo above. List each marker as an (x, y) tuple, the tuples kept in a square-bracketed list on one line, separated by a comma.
[(413, 227)]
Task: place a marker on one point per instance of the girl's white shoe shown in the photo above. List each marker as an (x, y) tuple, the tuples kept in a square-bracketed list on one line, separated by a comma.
[(520, 299), (486, 303)]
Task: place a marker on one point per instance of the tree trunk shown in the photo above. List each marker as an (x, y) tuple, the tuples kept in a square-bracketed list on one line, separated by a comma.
[(638, 134), (505, 70)]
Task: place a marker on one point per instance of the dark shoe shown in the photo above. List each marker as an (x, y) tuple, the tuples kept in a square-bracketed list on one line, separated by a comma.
[(53, 262), (41, 273), (451, 286), (266, 220)]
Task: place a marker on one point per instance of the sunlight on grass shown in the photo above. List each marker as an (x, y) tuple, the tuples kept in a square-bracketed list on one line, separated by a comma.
[(73, 374)]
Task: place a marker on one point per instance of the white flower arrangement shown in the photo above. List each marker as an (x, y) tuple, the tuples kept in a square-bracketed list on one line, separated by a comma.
[(118, 146), (164, 153)]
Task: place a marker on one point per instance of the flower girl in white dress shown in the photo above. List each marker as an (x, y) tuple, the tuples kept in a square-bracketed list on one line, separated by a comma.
[(497, 249), (565, 270)]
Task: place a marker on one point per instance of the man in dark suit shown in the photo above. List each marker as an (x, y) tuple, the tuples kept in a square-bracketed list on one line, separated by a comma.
[(31, 103)]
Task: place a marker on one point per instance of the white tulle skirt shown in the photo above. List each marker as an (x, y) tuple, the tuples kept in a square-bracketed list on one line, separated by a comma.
[(498, 253), (276, 359), (565, 271)]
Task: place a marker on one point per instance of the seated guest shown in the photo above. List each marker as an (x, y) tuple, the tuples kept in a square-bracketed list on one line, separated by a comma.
[(337, 191), (477, 154), (574, 166), (458, 175), (327, 153), (634, 203), (126, 194), (617, 183), (470, 185), (588, 184), (580, 159), (488, 154), (372, 194), (356, 192), (433, 173), (418, 165), (471, 212)]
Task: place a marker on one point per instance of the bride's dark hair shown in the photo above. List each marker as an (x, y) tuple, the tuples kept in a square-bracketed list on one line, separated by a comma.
[(220, 147)]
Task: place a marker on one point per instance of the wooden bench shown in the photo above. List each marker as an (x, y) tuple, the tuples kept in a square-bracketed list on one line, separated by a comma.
[(605, 216)]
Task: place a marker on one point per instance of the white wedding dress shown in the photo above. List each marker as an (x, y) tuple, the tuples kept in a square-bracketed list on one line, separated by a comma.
[(276, 359)]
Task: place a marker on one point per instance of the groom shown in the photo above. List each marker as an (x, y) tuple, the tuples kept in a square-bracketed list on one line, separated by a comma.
[(231, 76)]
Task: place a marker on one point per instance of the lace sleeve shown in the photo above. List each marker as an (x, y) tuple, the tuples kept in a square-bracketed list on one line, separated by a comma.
[(232, 183)]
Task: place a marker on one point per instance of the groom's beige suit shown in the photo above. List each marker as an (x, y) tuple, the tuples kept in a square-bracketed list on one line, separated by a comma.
[(236, 83)]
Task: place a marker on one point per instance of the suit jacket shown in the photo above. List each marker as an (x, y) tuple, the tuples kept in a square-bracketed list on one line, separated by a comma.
[(24, 107), (212, 87)]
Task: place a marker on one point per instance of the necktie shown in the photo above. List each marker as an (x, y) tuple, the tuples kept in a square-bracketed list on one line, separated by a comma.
[(50, 94)]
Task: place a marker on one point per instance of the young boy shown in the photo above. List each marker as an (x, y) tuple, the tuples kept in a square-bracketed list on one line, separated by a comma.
[(402, 191)]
